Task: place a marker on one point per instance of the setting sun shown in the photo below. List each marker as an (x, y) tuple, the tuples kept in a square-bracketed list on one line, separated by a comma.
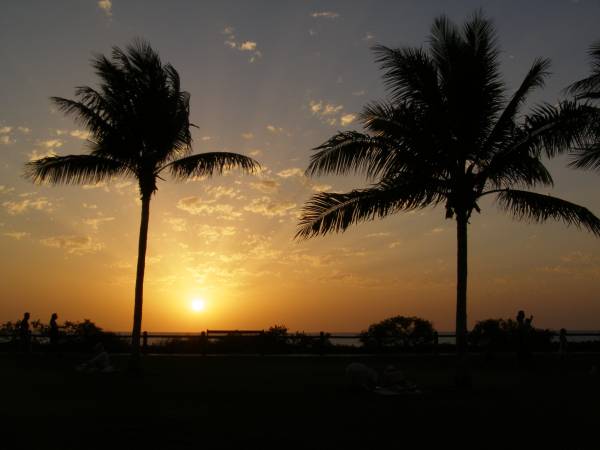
[(198, 304)]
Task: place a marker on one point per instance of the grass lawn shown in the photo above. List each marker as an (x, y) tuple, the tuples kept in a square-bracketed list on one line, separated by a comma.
[(295, 402)]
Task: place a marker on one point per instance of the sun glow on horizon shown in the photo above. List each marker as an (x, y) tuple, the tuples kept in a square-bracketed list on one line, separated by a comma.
[(198, 304)]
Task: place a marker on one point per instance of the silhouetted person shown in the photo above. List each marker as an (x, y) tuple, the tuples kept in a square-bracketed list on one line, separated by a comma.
[(25, 333), (523, 335), (562, 343), (53, 332)]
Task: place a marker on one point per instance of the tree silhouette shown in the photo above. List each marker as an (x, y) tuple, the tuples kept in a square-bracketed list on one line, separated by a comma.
[(139, 127), (448, 135), (588, 156)]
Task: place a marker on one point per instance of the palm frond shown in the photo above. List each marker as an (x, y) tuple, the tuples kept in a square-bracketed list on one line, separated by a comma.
[(351, 151), (409, 74), (556, 129), (207, 164), (534, 207), (589, 87), (534, 79), (328, 212), (74, 169), (587, 158)]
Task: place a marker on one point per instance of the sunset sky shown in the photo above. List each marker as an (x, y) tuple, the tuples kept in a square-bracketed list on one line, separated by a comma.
[(270, 79)]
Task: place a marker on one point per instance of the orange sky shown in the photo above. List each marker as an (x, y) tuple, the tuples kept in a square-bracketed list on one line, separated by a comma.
[(72, 250)]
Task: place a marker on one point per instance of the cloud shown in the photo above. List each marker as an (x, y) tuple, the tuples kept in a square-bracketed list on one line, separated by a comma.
[(330, 113), (265, 186), (376, 235), (196, 206), (106, 7), (320, 187), (178, 224), (5, 130), (24, 130), (5, 189), (34, 155), (274, 129), (291, 172), (217, 192), (80, 134), (248, 136), (212, 233), (95, 222), (255, 152), (74, 245), (369, 36), (269, 208), (347, 119), (325, 15), (18, 235), (244, 46), (51, 143), (206, 138), (20, 207)]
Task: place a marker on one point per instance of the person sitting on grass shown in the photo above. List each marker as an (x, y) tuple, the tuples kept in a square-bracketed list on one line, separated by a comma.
[(100, 362)]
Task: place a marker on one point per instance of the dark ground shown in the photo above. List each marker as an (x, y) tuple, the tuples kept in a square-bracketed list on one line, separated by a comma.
[(296, 402)]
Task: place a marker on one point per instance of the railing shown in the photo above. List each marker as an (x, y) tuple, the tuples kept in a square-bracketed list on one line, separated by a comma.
[(321, 339)]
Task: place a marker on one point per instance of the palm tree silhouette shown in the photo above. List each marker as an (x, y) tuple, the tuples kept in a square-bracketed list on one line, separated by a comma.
[(588, 88), (448, 136), (139, 127)]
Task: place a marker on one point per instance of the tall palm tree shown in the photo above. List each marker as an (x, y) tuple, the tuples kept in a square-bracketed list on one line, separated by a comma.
[(588, 89), (138, 120), (448, 135)]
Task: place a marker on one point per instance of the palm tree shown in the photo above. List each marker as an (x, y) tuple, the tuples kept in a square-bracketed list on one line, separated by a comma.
[(139, 127), (588, 155), (448, 135)]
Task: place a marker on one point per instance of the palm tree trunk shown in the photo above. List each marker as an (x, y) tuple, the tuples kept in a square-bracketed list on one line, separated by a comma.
[(139, 281), (461, 285)]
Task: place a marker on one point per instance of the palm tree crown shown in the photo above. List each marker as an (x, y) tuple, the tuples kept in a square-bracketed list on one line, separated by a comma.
[(138, 120), (588, 89), (448, 135)]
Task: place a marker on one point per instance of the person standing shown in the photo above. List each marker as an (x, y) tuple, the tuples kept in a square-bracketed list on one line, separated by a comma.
[(25, 334), (53, 332)]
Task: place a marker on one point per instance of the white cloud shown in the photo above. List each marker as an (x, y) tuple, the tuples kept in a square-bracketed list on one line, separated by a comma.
[(274, 129), (6, 139), (106, 7), (74, 245), (347, 119), (369, 36), (327, 112), (255, 152), (376, 235), (267, 207), (19, 207), (5, 189), (321, 187), (248, 136), (178, 224), (244, 46), (5, 130), (24, 130), (206, 138), (196, 206), (80, 134), (18, 235), (291, 172), (51, 143), (248, 46), (325, 15), (95, 222), (265, 186), (34, 155)]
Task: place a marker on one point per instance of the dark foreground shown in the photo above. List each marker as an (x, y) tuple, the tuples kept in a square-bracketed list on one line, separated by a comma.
[(296, 402)]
